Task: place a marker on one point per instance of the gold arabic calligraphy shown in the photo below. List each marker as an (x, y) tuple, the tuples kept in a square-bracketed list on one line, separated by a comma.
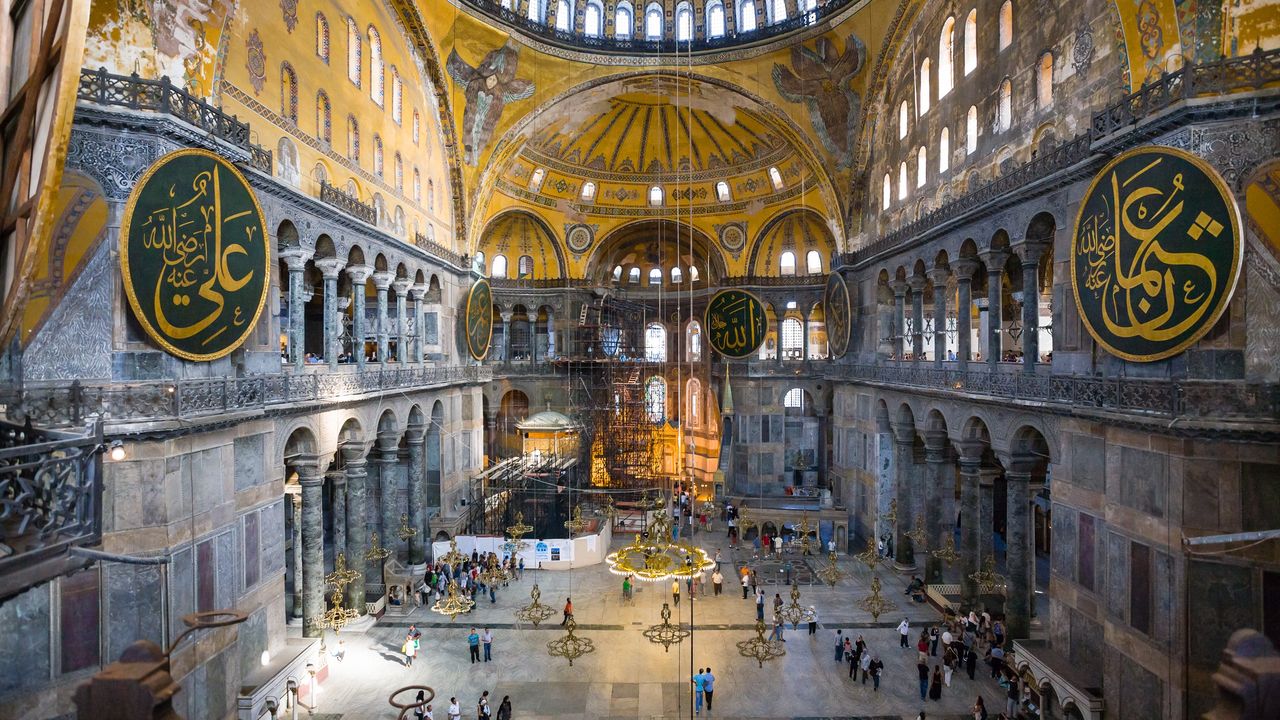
[(735, 322)]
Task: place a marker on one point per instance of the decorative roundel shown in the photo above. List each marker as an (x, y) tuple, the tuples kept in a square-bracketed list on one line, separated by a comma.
[(1155, 254), (839, 314), (736, 323), (733, 238), (579, 238), (479, 319)]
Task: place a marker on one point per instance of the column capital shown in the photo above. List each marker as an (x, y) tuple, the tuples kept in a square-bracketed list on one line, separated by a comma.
[(507, 315), (939, 276), (1029, 251), (971, 452), (1019, 465), (359, 274), (964, 268), (917, 283), (353, 453), (418, 292), (903, 433), (382, 279), (308, 469), (331, 268), (935, 441), (337, 477), (343, 303), (402, 286), (296, 258), (899, 288), (995, 259), (415, 433), (388, 442)]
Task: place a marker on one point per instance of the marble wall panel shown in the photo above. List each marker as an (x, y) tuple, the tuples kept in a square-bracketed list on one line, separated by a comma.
[(1143, 481), (135, 606), (252, 549), (252, 638), (227, 572), (181, 589), (250, 467), (79, 611), (272, 528), (1117, 589), (1088, 462), (30, 668), (1064, 557)]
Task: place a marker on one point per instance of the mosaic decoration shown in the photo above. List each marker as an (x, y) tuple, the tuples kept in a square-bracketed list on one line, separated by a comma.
[(289, 9), (479, 316), (1155, 254), (839, 314), (488, 87), (1262, 202), (193, 255), (820, 78), (733, 237), (1082, 50), (579, 238), (255, 61), (736, 323)]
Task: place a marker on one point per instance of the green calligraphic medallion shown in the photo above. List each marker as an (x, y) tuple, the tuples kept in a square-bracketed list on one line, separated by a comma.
[(1156, 253), (736, 323), (838, 313), (194, 255), (479, 319)]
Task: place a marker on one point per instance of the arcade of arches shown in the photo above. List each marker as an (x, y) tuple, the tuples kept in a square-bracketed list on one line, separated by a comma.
[(876, 281)]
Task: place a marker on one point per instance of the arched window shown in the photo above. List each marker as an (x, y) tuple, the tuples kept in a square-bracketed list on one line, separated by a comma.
[(775, 177), (538, 11), (1006, 24), (375, 66), (971, 42), (792, 339), (653, 22), (902, 181), (794, 399), (693, 274), (715, 19), (694, 393), (377, 155), (593, 20), (684, 22), (1044, 85), (746, 16), (676, 276), (353, 52), (655, 196), (655, 399), (944, 151), (902, 120), (655, 338), (479, 260), (353, 139), (398, 169), (971, 131), (324, 117), (563, 21), (524, 266), (813, 262), (535, 180), (633, 276), (322, 37), (1004, 117), (623, 21), (397, 96), (693, 341), (777, 10), (617, 273), (722, 191), (431, 195), (417, 186), (946, 51), (787, 263), (655, 276), (499, 269), (924, 86), (588, 191), (417, 127), (888, 193), (398, 220), (921, 167)]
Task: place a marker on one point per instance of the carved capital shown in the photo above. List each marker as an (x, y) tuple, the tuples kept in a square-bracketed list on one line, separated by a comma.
[(295, 258), (964, 268), (331, 268), (359, 274), (383, 279)]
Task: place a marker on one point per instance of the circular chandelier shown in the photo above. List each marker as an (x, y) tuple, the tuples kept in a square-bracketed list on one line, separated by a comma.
[(570, 647), (830, 573), (759, 648), (453, 604), (651, 558), (794, 612)]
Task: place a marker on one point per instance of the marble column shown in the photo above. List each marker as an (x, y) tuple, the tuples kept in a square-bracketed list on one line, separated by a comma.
[(995, 260), (418, 293), (904, 437), (899, 288), (295, 497), (359, 275), (312, 482), (381, 283), (970, 480), (1017, 604), (939, 277), (331, 268), (388, 519), (353, 461), (917, 283), (986, 512), (295, 259), (1030, 253), (401, 287), (939, 491), (804, 338), (506, 336), (416, 438), (964, 269), (551, 334), (338, 501)]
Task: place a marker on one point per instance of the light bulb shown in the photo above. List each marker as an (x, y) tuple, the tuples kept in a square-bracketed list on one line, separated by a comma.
[(117, 451), (266, 658)]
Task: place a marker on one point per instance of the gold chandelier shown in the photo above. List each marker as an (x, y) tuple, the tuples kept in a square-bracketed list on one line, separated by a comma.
[(759, 648), (570, 647), (453, 558), (494, 572), (536, 611), (803, 528), (829, 573), (453, 603), (947, 553), (666, 634), (987, 578), (406, 533), (575, 524), (652, 558), (917, 534), (875, 603), (794, 612)]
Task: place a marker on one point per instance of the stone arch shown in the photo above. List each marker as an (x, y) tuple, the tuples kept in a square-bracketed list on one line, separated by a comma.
[(287, 235), (796, 229), (528, 227)]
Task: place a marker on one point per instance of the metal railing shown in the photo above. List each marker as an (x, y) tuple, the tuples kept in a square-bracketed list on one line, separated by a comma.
[(50, 501), (137, 93), (638, 46), (61, 405), (348, 204), (437, 249)]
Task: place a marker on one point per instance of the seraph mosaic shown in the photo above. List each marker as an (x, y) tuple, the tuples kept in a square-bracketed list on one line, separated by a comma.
[(821, 79), (488, 87)]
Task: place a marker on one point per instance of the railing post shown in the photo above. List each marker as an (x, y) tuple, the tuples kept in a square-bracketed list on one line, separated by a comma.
[(76, 398)]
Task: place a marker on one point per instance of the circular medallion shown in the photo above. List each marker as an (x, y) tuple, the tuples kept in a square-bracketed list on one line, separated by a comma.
[(479, 317), (838, 314), (732, 238), (1155, 253), (194, 256), (736, 323), (579, 238)]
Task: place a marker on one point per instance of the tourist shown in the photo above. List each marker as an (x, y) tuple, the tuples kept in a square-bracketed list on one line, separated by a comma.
[(971, 661), (473, 642), (410, 649), (482, 707), (934, 637), (708, 686), (504, 710), (568, 610), (840, 638), (865, 664), (949, 662), (979, 709), (487, 639), (935, 685), (764, 540), (777, 603), (876, 667), (777, 628), (922, 668), (759, 604), (813, 620), (420, 712), (455, 712), (675, 592), (1012, 698), (717, 580), (746, 583), (698, 689), (626, 588), (995, 655), (904, 632), (914, 586), (997, 629), (777, 545), (717, 559)]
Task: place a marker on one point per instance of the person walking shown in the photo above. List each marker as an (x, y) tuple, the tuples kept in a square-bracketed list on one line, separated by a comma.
[(777, 628), (410, 649), (777, 545), (746, 584), (473, 642), (922, 668), (487, 639), (979, 709), (876, 668), (935, 684), (708, 687), (1013, 698), (698, 688), (839, 645), (934, 637), (482, 707), (717, 580), (626, 588), (970, 661), (904, 633), (717, 559), (675, 592), (504, 710), (759, 604), (420, 712), (865, 664), (777, 603), (948, 664), (455, 712), (568, 610)]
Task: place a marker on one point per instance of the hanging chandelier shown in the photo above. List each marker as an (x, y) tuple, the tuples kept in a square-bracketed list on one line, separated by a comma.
[(406, 533), (494, 573), (453, 558), (664, 633), (794, 612), (759, 648), (875, 603), (536, 611), (917, 534), (947, 553), (576, 524), (829, 573), (453, 603), (570, 647), (652, 558), (987, 578)]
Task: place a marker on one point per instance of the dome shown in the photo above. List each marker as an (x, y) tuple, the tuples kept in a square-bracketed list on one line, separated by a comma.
[(547, 421)]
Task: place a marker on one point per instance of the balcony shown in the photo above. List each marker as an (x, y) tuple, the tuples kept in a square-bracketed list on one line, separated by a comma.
[(1071, 689), (50, 501), (348, 204)]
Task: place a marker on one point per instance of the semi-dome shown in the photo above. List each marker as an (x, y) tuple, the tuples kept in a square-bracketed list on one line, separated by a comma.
[(547, 421)]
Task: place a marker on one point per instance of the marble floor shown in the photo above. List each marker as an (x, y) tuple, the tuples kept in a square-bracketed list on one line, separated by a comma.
[(629, 677)]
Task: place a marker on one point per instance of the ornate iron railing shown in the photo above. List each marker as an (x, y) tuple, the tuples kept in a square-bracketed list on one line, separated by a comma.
[(768, 281), (50, 500), (135, 92), (437, 249), (260, 159), (158, 401), (641, 46), (346, 203), (540, 283)]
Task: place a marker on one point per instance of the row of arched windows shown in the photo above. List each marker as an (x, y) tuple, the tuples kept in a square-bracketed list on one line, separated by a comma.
[(812, 261), (655, 275), (499, 268), (655, 400), (654, 24)]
